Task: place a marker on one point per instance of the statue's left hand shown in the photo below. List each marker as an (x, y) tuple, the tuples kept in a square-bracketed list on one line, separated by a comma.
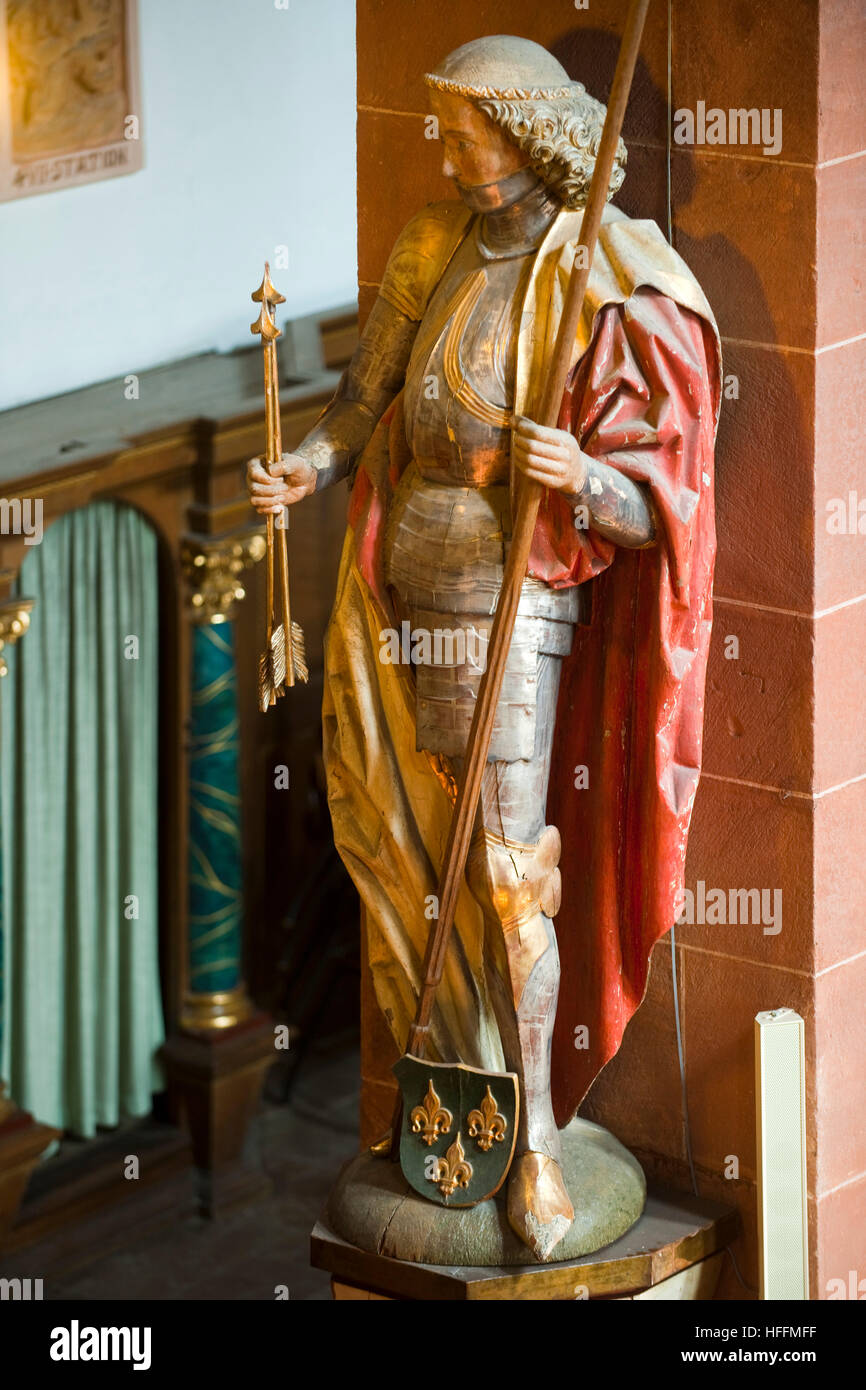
[(550, 457)]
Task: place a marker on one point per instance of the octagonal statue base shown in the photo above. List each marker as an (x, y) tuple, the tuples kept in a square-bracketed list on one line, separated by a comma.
[(373, 1208)]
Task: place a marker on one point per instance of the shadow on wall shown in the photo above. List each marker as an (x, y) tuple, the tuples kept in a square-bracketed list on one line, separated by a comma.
[(765, 521), (764, 420)]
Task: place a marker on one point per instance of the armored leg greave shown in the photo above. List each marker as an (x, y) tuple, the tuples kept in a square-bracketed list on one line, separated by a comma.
[(513, 873), (518, 887)]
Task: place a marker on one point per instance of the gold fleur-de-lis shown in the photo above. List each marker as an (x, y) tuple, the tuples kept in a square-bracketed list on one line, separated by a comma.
[(452, 1171), (487, 1126), (430, 1119)]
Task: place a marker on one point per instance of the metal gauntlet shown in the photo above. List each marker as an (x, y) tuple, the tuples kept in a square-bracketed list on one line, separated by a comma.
[(620, 509)]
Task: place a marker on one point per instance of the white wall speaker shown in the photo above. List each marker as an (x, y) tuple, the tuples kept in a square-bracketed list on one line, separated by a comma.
[(780, 1100)]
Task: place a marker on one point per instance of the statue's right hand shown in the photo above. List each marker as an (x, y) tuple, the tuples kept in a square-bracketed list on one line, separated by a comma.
[(279, 485)]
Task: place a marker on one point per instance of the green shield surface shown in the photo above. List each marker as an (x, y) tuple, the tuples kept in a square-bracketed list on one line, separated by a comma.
[(459, 1128)]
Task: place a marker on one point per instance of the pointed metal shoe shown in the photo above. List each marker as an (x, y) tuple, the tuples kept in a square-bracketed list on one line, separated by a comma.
[(539, 1207)]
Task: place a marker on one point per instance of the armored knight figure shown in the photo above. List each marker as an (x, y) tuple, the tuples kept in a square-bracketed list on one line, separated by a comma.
[(595, 752)]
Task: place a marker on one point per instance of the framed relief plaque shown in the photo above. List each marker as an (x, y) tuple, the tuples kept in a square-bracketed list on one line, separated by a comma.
[(69, 93)]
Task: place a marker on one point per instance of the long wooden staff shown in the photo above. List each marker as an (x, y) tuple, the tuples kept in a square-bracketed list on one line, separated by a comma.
[(529, 498)]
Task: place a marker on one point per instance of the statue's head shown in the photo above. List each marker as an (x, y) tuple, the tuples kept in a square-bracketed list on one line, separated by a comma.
[(504, 104)]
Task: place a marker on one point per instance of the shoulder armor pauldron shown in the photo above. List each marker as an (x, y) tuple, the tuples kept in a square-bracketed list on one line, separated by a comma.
[(420, 255)]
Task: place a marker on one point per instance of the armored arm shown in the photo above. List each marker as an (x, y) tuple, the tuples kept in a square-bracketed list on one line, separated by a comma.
[(619, 509), (377, 370), (602, 496), (367, 387), (635, 417)]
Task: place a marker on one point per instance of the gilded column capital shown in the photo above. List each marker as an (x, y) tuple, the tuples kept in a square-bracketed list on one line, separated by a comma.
[(213, 566), (14, 622)]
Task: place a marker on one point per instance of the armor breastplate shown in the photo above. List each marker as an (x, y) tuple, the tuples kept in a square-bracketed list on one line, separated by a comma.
[(449, 523), (460, 382)]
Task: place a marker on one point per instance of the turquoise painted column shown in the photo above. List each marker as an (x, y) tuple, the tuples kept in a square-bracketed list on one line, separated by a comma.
[(215, 995), (215, 881)]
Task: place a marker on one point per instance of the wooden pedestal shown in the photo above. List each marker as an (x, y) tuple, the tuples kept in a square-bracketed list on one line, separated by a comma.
[(673, 1251), (215, 1080), (22, 1140)]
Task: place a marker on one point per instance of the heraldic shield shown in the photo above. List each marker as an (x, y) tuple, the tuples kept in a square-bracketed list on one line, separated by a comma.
[(459, 1128)]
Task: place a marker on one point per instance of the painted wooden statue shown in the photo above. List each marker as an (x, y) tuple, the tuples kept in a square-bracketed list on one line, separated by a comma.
[(594, 761)]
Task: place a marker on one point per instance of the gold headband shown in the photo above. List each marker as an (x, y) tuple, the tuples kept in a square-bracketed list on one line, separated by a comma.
[(462, 89)]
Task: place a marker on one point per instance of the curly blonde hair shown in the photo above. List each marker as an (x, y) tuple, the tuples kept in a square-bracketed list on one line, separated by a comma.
[(560, 134)]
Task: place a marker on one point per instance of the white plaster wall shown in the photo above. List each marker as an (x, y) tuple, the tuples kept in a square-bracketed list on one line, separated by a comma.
[(248, 123)]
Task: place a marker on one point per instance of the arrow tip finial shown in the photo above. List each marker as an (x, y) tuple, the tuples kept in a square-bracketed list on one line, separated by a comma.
[(267, 291)]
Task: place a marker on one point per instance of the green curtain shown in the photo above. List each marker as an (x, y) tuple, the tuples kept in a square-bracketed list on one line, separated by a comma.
[(78, 710)]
